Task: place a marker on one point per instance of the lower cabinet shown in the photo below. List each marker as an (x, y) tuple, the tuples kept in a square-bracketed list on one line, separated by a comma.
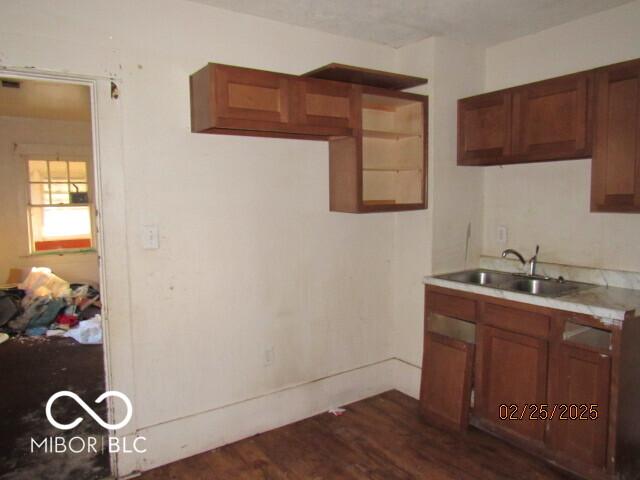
[(448, 361), (581, 392), (513, 377), (555, 383)]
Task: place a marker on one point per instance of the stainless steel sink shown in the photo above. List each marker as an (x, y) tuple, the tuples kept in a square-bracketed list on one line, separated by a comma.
[(478, 277), (540, 286), (550, 288)]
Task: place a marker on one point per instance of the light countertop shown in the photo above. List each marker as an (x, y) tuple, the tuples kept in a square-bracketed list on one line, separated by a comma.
[(609, 304)]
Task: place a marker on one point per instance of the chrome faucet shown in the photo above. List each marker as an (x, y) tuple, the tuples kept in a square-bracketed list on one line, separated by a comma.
[(533, 262), (511, 251)]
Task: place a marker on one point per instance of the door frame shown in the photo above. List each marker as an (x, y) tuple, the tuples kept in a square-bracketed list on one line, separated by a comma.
[(110, 232)]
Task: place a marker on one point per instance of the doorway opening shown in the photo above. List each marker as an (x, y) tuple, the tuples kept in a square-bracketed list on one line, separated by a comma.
[(51, 325)]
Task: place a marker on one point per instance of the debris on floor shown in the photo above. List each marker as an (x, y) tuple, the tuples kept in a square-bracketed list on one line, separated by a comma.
[(88, 332), (336, 412), (3, 338), (45, 305)]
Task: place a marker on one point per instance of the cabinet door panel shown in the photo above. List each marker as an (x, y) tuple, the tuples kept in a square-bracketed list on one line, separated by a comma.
[(582, 378), (615, 178), (514, 373), (484, 129), (446, 380), (251, 95), (326, 104), (552, 119)]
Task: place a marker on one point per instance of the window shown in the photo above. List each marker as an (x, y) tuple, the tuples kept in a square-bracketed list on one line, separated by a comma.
[(59, 208)]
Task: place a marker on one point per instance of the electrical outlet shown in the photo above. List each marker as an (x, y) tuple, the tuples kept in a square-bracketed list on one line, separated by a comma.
[(269, 356), (502, 234), (150, 237)]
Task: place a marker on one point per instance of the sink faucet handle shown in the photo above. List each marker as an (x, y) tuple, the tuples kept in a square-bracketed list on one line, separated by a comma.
[(534, 261)]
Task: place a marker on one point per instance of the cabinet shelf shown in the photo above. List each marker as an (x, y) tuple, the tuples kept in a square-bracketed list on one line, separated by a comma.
[(392, 169), (389, 135)]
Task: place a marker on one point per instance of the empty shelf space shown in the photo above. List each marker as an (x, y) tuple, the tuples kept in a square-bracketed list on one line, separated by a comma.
[(589, 336), (452, 327), (391, 169)]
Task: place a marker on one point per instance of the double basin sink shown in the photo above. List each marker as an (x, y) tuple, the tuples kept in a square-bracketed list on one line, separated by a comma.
[(515, 282)]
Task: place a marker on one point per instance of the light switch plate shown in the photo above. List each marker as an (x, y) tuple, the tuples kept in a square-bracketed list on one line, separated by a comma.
[(150, 237)]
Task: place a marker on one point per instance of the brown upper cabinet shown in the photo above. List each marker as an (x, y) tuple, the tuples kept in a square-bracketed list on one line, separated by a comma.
[(552, 119), (542, 121), (593, 114), (326, 104), (378, 137), (484, 128), (383, 167), (615, 170), (244, 101), (226, 97)]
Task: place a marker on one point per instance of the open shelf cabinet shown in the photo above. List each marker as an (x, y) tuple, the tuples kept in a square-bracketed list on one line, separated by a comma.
[(383, 167)]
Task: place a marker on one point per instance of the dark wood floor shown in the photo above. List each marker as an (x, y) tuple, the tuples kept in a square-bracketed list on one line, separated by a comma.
[(31, 370), (382, 437)]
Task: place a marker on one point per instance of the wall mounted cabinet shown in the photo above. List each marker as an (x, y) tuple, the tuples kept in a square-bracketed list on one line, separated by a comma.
[(588, 114), (484, 128), (542, 121), (615, 171), (244, 101), (378, 137), (383, 166)]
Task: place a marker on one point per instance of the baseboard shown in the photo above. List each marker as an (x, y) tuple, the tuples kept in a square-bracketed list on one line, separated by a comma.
[(174, 440), (407, 377)]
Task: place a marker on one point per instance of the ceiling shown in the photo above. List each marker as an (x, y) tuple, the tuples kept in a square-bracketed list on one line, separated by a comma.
[(50, 100), (401, 22)]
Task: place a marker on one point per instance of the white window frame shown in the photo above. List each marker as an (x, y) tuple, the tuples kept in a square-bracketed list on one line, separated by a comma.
[(26, 152)]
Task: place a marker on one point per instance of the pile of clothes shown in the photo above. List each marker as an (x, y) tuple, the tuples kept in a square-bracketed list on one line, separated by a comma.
[(45, 304)]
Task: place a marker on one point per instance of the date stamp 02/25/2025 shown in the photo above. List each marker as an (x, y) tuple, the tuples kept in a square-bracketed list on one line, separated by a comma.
[(542, 411)]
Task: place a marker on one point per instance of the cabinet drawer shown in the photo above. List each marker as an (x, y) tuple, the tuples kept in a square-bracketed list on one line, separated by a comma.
[(451, 305), (516, 320)]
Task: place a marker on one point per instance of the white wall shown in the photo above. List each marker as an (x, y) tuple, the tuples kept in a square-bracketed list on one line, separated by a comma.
[(250, 257), (548, 203), (14, 234), (434, 241)]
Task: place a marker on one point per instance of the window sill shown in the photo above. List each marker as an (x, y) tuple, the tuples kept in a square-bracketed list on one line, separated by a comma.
[(61, 253)]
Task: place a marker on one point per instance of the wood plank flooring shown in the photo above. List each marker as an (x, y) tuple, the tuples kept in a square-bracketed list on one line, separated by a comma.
[(382, 437)]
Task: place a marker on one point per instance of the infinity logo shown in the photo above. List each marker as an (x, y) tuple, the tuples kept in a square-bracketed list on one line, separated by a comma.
[(89, 410)]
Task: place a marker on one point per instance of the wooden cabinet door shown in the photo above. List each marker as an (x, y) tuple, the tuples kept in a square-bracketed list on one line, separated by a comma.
[(581, 380), (552, 119), (446, 380), (257, 97), (323, 103), (615, 170), (513, 374), (484, 129)]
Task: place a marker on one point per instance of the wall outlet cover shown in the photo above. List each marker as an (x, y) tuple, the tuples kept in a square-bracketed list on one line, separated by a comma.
[(502, 234)]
